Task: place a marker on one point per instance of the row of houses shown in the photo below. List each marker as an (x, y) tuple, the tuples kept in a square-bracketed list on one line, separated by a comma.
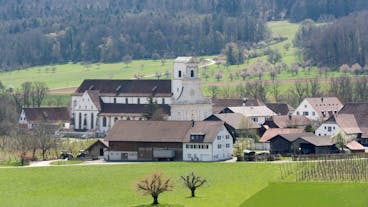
[(194, 127)]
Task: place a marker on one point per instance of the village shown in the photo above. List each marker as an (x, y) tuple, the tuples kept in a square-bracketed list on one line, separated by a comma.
[(171, 120)]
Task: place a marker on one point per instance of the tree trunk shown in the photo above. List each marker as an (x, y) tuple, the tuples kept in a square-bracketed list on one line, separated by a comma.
[(193, 192), (155, 200), (43, 154)]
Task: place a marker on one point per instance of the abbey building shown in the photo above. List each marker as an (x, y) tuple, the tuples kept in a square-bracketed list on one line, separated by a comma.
[(98, 104)]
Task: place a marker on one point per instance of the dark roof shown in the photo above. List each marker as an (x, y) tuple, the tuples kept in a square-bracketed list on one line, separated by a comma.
[(360, 112), (127, 87), (355, 108), (235, 120), (220, 104), (317, 140), (47, 114), (280, 108), (290, 121), (112, 108), (163, 131)]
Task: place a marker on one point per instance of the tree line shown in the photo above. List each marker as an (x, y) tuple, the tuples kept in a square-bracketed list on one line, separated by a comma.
[(50, 31), (341, 42)]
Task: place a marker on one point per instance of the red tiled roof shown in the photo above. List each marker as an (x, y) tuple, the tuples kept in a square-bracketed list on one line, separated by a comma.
[(47, 114), (272, 132)]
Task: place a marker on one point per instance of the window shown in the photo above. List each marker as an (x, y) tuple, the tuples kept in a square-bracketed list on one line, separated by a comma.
[(218, 137), (126, 100), (163, 100), (305, 113), (329, 129), (255, 119), (80, 120), (92, 120), (187, 146), (227, 145), (192, 73), (179, 75), (206, 146), (114, 100), (313, 113), (219, 146), (305, 106), (227, 136), (138, 100), (104, 122)]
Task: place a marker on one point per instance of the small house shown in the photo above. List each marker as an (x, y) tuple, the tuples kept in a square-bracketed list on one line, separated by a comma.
[(31, 117)]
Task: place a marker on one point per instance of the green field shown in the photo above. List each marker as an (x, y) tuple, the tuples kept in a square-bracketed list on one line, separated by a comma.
[(310, 194), (229, 184)]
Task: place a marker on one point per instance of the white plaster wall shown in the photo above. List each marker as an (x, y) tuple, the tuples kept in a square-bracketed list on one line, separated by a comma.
[(323, 129), (196, 112), (304, 106), (197, 154), (223, 153)]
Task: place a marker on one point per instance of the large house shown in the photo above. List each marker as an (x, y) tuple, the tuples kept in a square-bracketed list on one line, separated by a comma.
[(238, 125), (258, 114), (98, 104), (360, 112), (32, 117), (340, 122), (169, 140), (318, 109)]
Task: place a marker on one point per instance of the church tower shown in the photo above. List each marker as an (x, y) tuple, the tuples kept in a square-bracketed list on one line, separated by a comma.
[(188, 101)]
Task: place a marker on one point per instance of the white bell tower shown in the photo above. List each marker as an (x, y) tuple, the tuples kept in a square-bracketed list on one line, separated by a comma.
[(188, 101)]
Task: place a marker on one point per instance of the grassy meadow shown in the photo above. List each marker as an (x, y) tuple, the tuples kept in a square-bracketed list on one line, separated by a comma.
[(310, 194), (229, 184)]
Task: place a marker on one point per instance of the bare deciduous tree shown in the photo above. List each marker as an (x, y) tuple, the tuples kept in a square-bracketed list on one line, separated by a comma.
[(154, 186), (193, 182)]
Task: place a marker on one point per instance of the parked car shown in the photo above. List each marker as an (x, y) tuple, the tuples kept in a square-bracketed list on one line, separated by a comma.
[(82, 154), (65, 155)]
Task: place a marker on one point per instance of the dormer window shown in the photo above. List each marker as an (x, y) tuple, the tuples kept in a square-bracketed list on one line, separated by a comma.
[(179, 75), (197, 137)]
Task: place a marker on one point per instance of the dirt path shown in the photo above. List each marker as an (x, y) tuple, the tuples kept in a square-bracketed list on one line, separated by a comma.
[(282, 81)]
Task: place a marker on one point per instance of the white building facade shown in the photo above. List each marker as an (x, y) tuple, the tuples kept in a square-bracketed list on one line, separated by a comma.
[(98, 104), (220, 149)]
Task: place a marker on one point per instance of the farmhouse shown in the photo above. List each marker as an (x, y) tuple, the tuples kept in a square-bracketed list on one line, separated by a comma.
[(31, 117), (169, 140), (340, 122), (288, 121), (318, 109), (237, 124), (258, 114), (302, 143), (360, 112), (98, 104), (220, 104), (280, 108)]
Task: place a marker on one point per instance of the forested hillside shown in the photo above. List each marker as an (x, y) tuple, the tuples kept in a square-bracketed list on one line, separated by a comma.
[(342, 42), (40, 32)]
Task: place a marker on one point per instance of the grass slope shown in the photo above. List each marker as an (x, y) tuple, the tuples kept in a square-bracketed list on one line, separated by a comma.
[(310, 194), (229, 184)]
